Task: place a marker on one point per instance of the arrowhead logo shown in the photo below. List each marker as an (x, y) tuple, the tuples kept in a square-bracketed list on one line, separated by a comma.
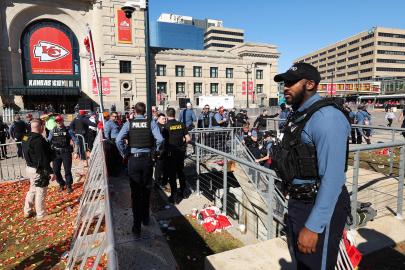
[(124, 24), (47, 51)]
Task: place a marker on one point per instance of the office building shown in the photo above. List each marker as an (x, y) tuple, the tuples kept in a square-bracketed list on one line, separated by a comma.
[(220, 38), (367, 56)]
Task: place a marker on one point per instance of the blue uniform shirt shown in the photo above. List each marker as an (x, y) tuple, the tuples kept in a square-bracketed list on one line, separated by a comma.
[(71, 134), (119, 141), (218, 117), (189, 117), (328, 129), (111, 129), (201, 117)]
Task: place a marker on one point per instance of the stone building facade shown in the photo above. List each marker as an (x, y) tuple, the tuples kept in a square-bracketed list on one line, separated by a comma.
[(188, 74), (74, 15)]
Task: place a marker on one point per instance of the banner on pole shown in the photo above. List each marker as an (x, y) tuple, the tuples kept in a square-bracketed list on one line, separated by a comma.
[(124, 28)]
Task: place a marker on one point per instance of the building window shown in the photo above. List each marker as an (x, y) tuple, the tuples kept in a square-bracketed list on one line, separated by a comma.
[(369, 61), (214, 72), (259, 74), (179, 71), (367, 45), (342, 53), (229, 73), (367, 53), (259, 88), (197, 88), (341, 60), (125, 66), (161, 87), (229, 88), (352, 65), (354, 41), (161, 70), (390, 69), (342, 46), (353, 57), (382, 34), (180, 88), (354, 49), (367, 70), (393, 61), (197, 71), (385, 43), (214, 88)]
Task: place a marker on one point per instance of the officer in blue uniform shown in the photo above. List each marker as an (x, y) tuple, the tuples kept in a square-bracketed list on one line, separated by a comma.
[(141, 134), (285, 112), (60, 138), (205, 118), (311, 161), (187, 116), (111, 128), (363, 118)]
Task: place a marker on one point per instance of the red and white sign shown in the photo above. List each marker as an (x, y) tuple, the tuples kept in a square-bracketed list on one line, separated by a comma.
[(124, 28), (250, 88), (331, 89), (50, 52), (105, 82)]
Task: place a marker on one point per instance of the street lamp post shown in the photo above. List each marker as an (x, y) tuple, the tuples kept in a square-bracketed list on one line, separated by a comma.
[(331, 87), (101, 63)]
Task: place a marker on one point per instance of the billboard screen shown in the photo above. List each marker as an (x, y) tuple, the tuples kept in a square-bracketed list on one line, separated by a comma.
[(50, 52)]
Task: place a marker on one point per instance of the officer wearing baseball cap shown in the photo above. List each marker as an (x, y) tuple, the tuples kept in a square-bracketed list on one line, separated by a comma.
[(60, 138), (311, 161)]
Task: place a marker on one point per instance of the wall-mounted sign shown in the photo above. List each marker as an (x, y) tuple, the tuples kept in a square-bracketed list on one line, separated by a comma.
[(124, 28), (105, 83), (50, 52)]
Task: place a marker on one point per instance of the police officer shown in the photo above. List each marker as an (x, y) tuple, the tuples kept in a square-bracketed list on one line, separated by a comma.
[(38, 156), (4, 134), (284, 114), (141, 134), (176, 136), (205, 118), (363, 117), (60, 138), (219, 118), (111, 128), (265, 149), (311, 161), (17, 130), (232, 117), (80, 126), (241, 118)]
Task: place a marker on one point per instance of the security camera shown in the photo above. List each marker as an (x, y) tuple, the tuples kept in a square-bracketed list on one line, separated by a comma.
[(130, 6)]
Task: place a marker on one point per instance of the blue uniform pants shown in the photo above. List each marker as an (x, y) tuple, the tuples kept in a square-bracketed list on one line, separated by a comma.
[(327, 247)]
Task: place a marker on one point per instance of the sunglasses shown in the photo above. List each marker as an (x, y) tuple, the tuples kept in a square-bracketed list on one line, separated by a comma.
[(290, 83)]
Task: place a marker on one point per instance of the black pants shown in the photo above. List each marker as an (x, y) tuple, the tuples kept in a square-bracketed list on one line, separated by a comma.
[(175, 166), (140, 170), (359, 136), (3, 149), (353, 135), (66, 159), (389, 122), (161, 171), (403, 126), (91, 136), (298, 213), (82, 148)]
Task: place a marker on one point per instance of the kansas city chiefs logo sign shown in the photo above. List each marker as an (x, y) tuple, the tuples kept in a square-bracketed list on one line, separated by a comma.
[(47, 51)]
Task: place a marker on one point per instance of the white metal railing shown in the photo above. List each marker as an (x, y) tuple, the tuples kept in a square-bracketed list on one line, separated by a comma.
[(93, 238)]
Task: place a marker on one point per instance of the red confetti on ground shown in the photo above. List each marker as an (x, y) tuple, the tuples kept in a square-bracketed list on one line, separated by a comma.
[(28, 243)]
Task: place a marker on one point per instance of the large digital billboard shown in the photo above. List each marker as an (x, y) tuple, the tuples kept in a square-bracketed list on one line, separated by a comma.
[(50, 52)]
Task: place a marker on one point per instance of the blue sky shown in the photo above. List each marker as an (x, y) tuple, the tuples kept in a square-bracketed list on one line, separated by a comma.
[(297, 27)]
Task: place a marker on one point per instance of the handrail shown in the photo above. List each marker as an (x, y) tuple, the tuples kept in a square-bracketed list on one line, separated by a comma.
[(378, 127), (355, 148)]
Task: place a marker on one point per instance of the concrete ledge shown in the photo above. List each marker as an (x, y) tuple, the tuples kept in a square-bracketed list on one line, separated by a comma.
[(270, 254), (273, 254)]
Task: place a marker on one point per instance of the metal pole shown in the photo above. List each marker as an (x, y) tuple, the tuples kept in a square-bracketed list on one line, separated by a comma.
[(247, 87), (354, 188), (101, 85), (270, 211), (225, 173), (147, 62), (198, 169), (392, 152), (331, 87), (400, 201)]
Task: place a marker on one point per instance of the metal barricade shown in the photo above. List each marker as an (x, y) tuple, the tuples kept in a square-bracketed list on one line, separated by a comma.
[(370, 180), (93, 239), (218, 138), (12, 167), (273, 124)]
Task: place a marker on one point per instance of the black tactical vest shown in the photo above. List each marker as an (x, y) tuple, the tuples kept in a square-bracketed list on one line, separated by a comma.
[(79, 126), (140, 134), (174, 135), (214, 122), (60, 138), (291, 157), (206, 120)]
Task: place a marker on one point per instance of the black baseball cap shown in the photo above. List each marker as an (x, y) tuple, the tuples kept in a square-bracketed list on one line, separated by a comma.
[(298, 72)]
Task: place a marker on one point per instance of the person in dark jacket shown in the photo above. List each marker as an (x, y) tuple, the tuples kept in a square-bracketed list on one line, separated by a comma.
[(161, 176), (4, 134), (38, 156), (80, 125), (261, 121), (17, 131)]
